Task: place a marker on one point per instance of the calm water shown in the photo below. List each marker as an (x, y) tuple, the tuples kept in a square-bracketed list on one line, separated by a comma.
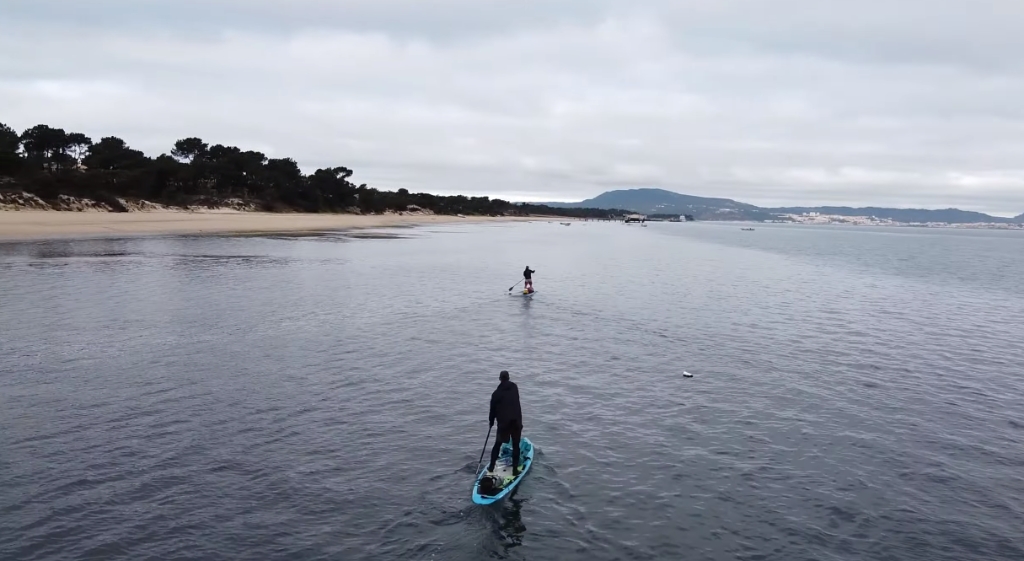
[(857, 394)]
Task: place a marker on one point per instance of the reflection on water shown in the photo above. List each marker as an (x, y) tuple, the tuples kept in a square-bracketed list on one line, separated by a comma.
[(511, 527)]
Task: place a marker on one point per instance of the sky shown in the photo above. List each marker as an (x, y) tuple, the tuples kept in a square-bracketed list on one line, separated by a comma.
[(904, 103)]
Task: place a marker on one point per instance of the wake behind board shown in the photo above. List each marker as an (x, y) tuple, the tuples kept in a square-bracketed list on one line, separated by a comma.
[(503, 471)]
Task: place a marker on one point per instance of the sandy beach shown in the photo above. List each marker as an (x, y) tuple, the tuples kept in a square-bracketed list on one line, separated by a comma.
[(29, 225)]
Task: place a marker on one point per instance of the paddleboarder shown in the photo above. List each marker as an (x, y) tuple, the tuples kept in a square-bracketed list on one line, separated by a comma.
[(505, 409), (528, 275)]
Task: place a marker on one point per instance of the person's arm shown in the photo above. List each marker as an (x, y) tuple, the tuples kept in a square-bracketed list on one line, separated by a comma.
[(491, 415)]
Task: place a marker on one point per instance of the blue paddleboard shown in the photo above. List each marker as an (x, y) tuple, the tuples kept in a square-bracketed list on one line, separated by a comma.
[(503, 469)]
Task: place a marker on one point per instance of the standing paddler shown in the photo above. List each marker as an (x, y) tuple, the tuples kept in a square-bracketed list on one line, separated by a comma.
[(506, 411), (528, 275)]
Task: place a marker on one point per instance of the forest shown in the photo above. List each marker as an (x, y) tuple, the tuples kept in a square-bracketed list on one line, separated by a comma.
[(49, 162)]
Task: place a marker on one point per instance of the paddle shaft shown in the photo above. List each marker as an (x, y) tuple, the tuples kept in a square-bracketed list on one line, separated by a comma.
[(485, 444), (514, 285)]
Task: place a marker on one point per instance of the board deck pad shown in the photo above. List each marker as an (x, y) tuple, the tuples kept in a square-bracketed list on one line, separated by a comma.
[(503, 470)]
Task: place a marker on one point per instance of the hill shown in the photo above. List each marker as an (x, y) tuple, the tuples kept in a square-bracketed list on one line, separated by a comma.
[(660, 201)]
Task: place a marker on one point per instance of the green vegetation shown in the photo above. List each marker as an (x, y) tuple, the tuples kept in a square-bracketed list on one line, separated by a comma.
[(50, 162)]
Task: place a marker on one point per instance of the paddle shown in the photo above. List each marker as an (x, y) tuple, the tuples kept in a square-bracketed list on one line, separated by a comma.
[(510, 290), (485, 448)]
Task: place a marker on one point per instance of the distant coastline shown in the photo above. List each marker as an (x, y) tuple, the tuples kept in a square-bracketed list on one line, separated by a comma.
[(656, 202), (817, 218), (50, 169)]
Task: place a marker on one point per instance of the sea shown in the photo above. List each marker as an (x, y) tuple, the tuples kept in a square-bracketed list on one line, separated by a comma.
[(854, 393)]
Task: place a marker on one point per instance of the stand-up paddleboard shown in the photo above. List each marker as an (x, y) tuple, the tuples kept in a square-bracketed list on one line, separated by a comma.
[(503, 473), (523, 293)]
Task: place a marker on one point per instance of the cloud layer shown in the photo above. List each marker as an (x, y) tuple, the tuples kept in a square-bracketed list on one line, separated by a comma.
[(906, 103)]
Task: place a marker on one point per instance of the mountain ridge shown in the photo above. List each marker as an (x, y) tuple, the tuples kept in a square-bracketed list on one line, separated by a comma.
[(646, 200)]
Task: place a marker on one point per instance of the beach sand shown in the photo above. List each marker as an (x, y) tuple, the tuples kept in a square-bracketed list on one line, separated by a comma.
[(28, 224)]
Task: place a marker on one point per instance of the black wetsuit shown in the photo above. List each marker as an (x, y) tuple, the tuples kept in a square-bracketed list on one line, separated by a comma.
[(506, 411)]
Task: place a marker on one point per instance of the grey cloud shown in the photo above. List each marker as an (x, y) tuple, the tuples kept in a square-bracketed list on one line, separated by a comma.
[(436, 20), (879, 31), (791, 102)]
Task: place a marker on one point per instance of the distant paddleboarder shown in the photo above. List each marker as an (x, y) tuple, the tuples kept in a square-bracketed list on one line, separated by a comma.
[(505, 409), (528, 275)]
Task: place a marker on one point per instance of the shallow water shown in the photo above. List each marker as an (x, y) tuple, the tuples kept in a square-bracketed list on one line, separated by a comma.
[(857, 394)]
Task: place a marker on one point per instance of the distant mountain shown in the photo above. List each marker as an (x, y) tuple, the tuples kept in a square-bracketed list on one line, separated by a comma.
[(1019, 218), (660, 201)]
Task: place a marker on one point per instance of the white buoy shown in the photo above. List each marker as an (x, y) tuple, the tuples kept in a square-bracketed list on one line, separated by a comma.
[(687, 374)]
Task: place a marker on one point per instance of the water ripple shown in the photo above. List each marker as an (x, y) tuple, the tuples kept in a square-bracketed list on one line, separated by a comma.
[(288, 397)]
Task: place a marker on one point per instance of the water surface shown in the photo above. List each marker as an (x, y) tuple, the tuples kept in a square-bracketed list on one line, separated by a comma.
[(857, 394)]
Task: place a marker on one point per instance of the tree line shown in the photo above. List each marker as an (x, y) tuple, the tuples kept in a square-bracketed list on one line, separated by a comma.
[(50, 162)]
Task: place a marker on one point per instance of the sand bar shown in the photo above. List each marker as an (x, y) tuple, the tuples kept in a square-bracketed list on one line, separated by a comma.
[(29, 225)]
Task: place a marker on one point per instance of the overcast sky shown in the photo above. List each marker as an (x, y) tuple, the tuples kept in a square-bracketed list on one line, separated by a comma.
[(873, 102)]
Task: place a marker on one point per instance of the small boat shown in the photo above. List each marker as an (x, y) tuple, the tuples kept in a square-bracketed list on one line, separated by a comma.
[(747, 229), (566, 223), (502, 475)]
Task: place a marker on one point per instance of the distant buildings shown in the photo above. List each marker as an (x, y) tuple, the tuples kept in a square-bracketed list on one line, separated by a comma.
[(818, 218), (658, 218)]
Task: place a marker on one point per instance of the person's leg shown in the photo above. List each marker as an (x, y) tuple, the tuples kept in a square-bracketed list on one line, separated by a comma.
[(516, 434), (498, 441)]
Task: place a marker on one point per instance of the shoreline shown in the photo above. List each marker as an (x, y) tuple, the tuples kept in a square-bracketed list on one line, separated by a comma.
[(36, 225)]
